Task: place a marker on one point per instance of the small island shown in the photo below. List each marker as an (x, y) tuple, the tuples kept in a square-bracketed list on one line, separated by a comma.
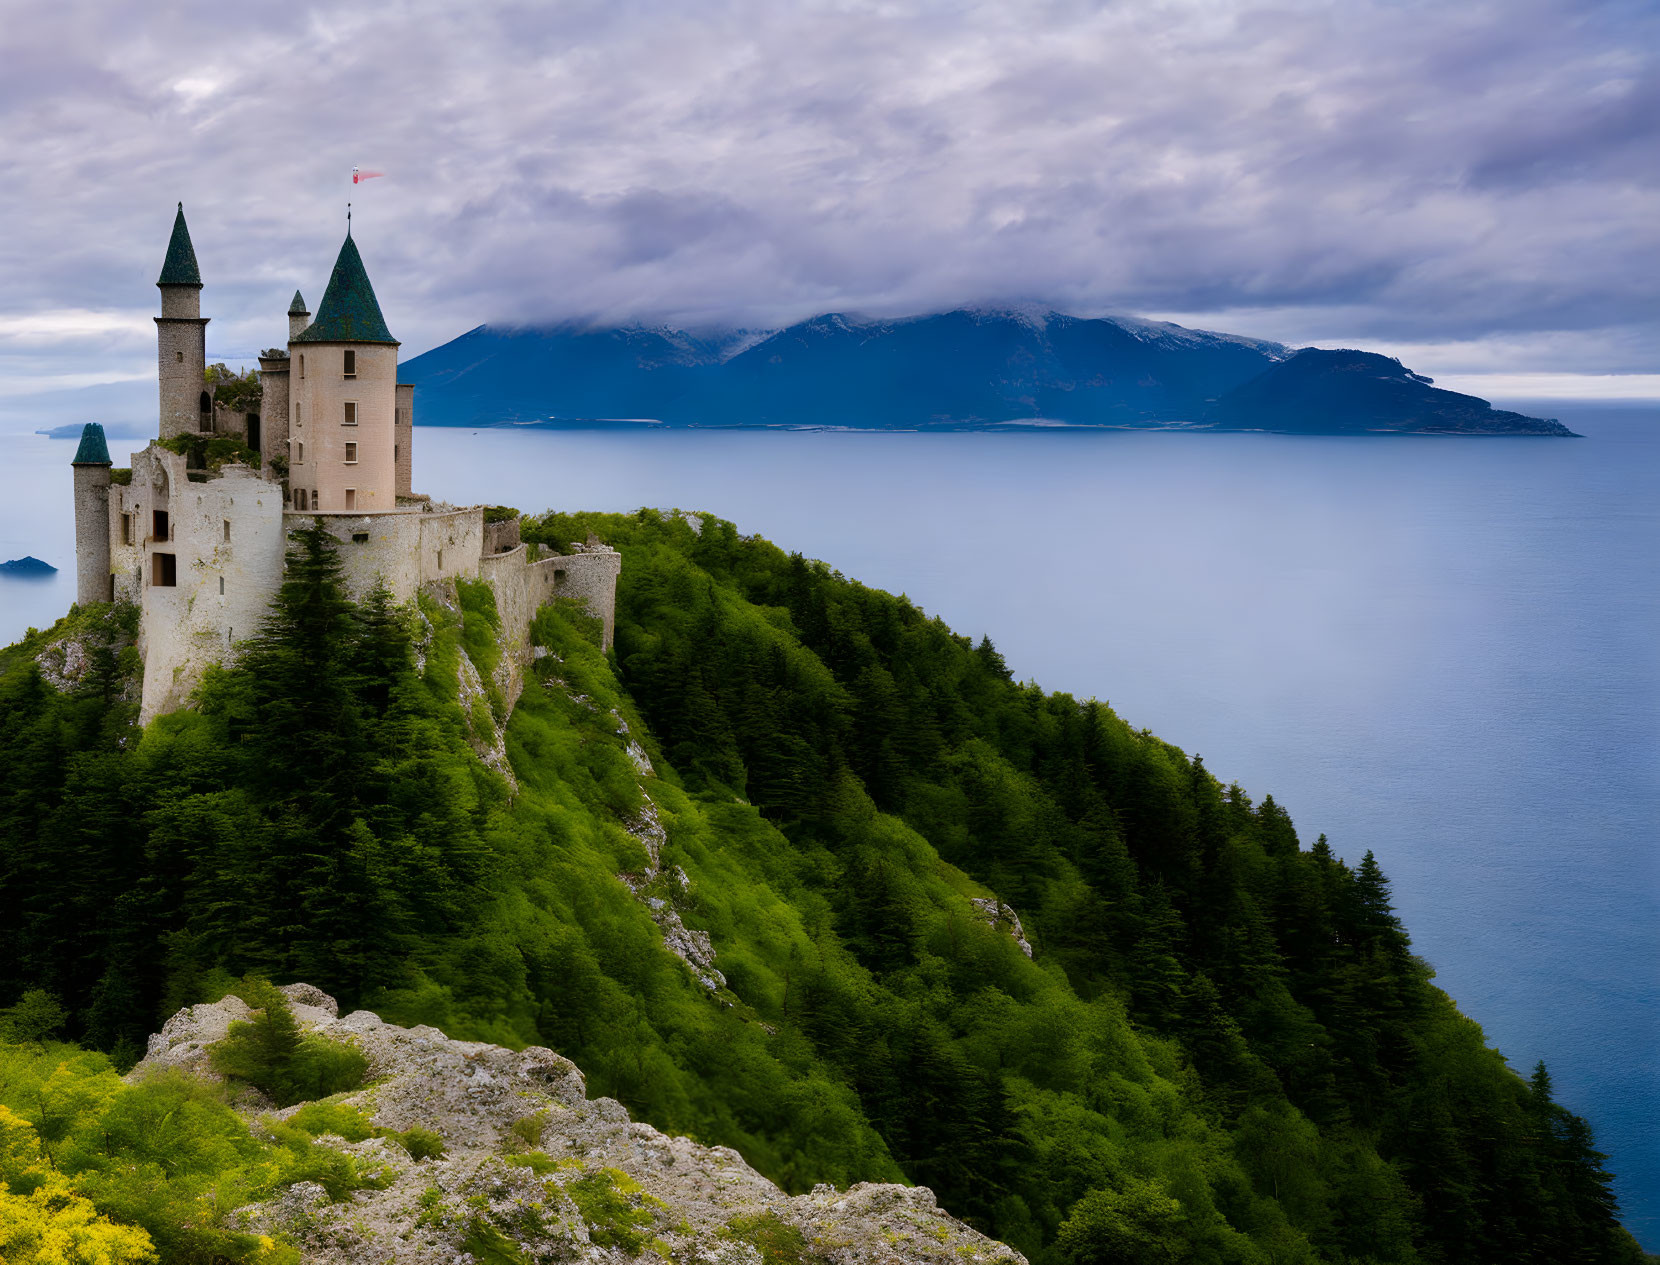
[(28, 565)]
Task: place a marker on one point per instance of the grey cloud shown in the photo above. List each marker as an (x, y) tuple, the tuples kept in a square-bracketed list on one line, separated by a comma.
[(1406, 171)]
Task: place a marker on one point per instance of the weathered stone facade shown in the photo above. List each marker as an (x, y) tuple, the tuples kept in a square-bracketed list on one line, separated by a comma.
[(201, 551)]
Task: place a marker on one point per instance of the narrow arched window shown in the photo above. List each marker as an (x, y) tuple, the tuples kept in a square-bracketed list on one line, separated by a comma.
[(204, 406)]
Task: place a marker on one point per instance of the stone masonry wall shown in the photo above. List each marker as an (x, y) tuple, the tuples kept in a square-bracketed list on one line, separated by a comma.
[(590, 575), (404, 437), (403, 549), (92, 541), (227, 544)]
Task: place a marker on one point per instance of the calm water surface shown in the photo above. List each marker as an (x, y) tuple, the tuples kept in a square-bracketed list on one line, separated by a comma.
[(1443, 650)]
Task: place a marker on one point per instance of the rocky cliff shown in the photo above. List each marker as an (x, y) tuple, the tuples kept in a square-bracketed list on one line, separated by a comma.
[(534, 1170)]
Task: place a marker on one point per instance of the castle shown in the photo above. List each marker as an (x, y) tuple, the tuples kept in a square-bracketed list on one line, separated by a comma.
[(196, 530)]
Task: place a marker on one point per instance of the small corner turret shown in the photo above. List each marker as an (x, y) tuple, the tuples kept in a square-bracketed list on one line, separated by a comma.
[(93, 582), (94, 450), (299, 316)]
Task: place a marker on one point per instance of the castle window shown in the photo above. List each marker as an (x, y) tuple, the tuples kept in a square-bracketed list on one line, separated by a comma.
[(221, 586), (313, 498), (300, 450), (204, 409), (227, 530), (126, 529), (351, 413), (296, 412), (360, 538), (302, 364), (351, 498), (158, 525), (394, 452), (164, 570), (178, 356), (299, 498), (351, 454), (351, 363)]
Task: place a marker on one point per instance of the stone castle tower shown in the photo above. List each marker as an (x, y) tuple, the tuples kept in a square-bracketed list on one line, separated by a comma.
[(343, 381), (181, 339), (195, 530)]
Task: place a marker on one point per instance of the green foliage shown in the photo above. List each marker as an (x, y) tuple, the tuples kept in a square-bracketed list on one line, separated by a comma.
[(239, 391), (121, 476), (778, 1242), (165, 1157), (1136, 1224), (336, 1118), (37, 1015), (500, 513), (270, 1053), (617, 1212), (420, 1144), (211, 452), (489, 1246), (1223, 1048)]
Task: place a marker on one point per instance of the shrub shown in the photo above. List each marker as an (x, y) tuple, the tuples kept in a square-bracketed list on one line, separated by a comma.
[(422, 1144), (270, 1053), (336, 1118)]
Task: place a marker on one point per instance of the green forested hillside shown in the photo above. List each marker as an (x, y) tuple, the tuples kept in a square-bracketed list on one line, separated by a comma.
[(1222, 1048)]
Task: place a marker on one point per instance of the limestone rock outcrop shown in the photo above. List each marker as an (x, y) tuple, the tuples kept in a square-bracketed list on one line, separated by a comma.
[(533, 1166)]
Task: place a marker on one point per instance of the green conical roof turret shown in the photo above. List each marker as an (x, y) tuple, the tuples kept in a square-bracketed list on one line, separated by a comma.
[(298, 307), (349, 312), (180, 268), (93, 450)]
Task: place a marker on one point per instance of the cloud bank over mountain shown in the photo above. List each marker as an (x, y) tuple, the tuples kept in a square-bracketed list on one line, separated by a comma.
[(1483, 179)]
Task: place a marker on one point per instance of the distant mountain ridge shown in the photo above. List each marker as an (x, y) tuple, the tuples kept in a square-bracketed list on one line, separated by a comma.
[(972, 368)]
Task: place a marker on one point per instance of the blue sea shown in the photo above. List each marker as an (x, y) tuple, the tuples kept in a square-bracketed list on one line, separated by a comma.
[(1443, 650)]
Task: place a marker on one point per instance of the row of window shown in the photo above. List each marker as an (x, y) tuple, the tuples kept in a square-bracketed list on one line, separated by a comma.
[(348, 364), (348, 417), (351, 453), (160, 527), (164, 572), (349, 414), (306, 499)]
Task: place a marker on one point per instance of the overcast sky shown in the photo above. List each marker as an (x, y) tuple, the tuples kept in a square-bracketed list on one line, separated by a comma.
[(1472, 185)]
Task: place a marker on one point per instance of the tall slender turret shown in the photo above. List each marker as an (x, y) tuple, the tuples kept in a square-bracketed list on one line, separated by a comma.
[(92, 517), (181, 339)]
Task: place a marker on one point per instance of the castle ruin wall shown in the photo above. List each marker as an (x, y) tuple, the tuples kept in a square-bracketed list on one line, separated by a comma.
[(403, 549), (225, 537), (590, 576)]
